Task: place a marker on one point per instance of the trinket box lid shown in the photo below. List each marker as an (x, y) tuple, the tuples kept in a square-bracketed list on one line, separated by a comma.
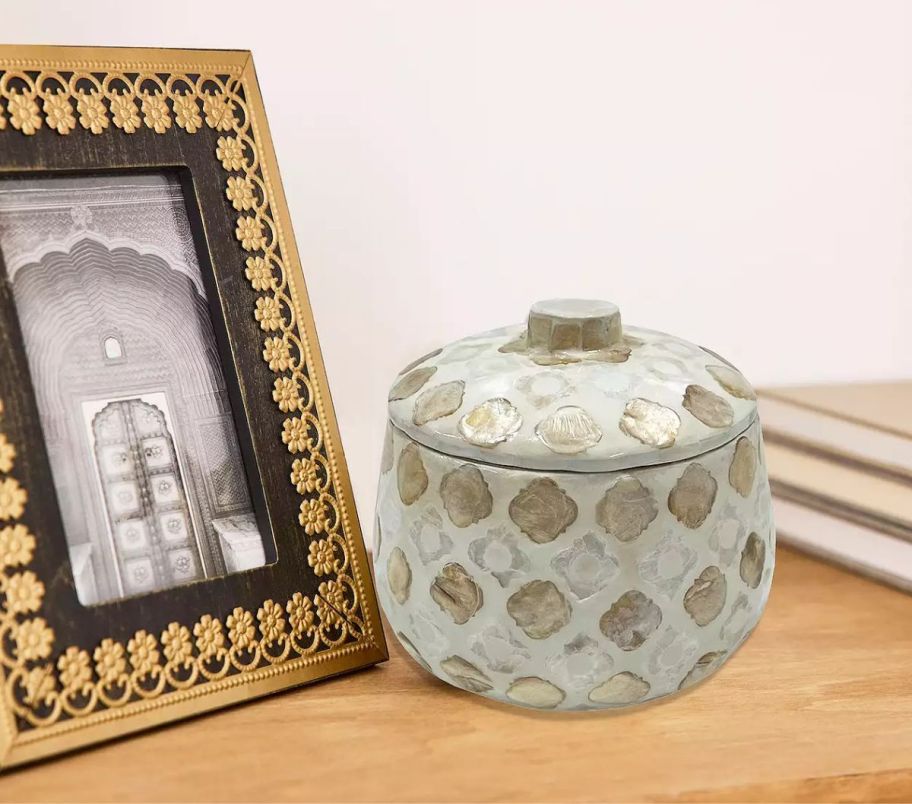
[(572, 390)]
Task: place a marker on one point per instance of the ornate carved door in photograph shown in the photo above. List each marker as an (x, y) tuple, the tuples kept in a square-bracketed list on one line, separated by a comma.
[(145, 497)]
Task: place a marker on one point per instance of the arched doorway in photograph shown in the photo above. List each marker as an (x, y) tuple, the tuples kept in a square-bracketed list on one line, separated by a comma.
[(116, 332)]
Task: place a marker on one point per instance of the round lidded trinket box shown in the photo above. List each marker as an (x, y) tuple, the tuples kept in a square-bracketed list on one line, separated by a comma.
[(573, 514)]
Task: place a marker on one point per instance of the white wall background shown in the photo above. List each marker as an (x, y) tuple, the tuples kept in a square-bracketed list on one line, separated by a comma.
[(739, 173)]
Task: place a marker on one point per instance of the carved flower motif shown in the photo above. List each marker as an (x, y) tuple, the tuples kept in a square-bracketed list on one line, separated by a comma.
[(269, 313), (240, 628), (322, 557), (499, 650), (219, 111), (240, 193), (23, 112), (586, 565), (33, 639), (74, 668), (304, 476), (313, 517), (92, 113), (109, 661), (581, 663), (287, 394), (209, 637), (499, 553), (429, 535), (739, 621), (123, 110), (39, 685), (330, 602), (176, 643), (230, 152), (300, 615), (155, 112), (12, 498), (673, 654), (186, 113), (294, 434), (7, 453), (434, 643), (276, 354), (667, 564), (728, 532), (59, 113), (250, 233), (23, 592), (272, 621), (259, 274), (16, 546), (144, 654), (544, 387)]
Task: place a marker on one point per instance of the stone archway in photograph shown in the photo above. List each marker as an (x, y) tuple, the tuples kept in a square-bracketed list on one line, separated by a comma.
[(108, 323)]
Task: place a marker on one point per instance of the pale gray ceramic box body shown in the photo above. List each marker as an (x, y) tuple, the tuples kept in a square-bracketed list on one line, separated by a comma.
[(571, 515)]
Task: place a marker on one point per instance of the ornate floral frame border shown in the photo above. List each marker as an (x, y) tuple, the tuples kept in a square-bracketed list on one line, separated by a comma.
[(58, 697)]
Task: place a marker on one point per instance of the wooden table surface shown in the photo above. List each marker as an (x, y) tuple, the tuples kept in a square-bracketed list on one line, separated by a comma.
[(816, 706)]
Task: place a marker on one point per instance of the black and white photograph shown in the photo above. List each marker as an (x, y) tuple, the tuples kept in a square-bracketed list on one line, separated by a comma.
[(130, 390)]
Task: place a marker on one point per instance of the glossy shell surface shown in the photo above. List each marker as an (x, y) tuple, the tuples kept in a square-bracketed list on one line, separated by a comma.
[(572, 590), (572, 513), (494, 398)]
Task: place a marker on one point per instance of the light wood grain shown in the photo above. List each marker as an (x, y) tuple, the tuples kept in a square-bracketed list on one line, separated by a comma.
[(816, 706), (884, 405)]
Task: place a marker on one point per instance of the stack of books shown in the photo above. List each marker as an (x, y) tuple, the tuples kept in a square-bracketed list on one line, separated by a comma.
[(840, 466)]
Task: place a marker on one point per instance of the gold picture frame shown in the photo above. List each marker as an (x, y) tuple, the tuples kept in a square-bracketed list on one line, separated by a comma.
[(68, 682)]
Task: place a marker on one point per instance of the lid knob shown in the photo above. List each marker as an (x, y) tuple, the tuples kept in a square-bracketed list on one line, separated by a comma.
[(559, 325)]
